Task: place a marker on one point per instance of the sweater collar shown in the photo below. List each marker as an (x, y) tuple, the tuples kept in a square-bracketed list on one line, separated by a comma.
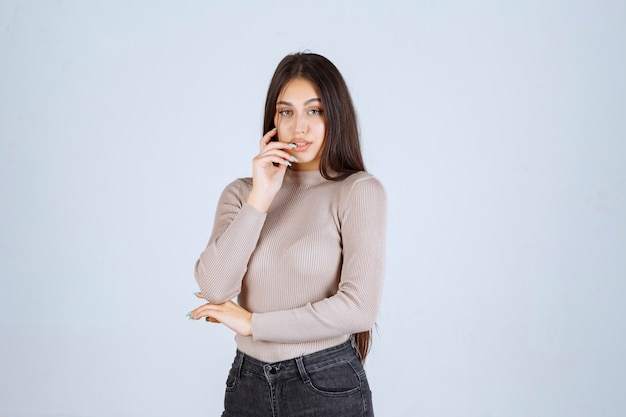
[(304, 177)]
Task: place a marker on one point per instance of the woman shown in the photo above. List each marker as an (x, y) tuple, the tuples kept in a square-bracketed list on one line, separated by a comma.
[(301, 245)]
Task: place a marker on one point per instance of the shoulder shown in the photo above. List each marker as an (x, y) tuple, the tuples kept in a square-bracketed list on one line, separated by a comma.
[(363, 182), (239, 183), (362, 191), (237, 189), (362, 200)]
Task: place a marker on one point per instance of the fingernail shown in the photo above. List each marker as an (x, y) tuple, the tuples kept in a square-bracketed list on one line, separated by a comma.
[(293, 145), (288, 163), (196, 293), (188, 315), (273, 128), (294, 158)]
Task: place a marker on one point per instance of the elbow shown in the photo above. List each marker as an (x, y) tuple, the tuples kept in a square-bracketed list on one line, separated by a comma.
[(363, 317), (366, 321), (210, 289), (364, 307), (199, 272)]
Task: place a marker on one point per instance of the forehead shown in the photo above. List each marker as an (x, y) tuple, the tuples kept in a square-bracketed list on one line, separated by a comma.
[(298, 89)]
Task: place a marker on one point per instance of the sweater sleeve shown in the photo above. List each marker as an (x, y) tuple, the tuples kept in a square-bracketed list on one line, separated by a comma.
[(221, 266), (353, 309)]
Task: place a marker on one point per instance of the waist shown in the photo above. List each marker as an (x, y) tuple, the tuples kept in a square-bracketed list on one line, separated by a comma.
[(291, 368), (270, 352)]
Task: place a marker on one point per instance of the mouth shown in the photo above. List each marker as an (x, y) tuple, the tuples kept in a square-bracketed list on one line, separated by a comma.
[(300, 145)]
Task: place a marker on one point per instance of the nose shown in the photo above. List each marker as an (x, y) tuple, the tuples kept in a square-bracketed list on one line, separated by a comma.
[(301, 123)]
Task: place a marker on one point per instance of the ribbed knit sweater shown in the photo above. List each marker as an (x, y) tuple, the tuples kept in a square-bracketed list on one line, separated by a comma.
[(310, 269)]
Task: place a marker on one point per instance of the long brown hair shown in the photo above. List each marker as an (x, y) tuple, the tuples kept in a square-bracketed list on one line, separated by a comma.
[(341, 153)]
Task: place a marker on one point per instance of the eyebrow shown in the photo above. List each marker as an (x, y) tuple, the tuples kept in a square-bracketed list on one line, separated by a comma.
[(309, 101)]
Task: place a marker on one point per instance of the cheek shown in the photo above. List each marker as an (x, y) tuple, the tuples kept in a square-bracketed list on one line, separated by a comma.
[(280, 121), (321, 128)]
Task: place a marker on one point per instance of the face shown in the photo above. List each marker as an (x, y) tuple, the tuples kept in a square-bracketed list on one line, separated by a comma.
[(300, 121)]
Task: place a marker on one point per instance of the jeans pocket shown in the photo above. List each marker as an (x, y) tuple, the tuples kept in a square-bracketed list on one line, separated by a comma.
[(336, 380), (233, 378)]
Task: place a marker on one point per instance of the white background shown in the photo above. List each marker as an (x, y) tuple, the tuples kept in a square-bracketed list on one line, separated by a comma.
[(498, 130)]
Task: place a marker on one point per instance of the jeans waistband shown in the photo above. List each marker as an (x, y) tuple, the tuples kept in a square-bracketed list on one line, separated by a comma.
[(290, 368)]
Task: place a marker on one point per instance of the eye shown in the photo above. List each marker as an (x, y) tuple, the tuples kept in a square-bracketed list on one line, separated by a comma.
[(316, 112), (285, 112)]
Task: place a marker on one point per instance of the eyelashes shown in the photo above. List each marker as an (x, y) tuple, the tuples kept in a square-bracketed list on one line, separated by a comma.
[(311, 112)]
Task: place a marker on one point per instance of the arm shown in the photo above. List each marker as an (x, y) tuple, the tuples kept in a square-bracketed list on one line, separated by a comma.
[(220, 269), (355, 305), (221, 266)]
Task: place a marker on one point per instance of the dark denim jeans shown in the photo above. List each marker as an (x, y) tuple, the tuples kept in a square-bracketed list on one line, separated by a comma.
[(328, 383)]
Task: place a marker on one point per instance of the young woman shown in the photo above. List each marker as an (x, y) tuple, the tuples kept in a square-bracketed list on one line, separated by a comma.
[(301, 245)]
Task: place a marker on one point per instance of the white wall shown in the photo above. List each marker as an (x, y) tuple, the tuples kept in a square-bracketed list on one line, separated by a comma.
[(497, 129)]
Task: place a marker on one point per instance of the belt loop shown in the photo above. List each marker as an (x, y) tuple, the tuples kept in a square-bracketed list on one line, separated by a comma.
[(238, 363), (302, 370)]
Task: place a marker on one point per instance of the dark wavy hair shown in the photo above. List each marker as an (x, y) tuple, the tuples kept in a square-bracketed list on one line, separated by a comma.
[(341, 153)]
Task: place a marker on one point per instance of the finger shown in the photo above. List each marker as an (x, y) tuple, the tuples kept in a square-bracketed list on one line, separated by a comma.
[(267, 138), (206, 310), (198, 294), (271, 145), (280, 151), (265, 160), (201, 312), (211, 312)]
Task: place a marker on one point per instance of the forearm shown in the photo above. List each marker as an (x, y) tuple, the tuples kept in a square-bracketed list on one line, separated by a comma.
[(341, 314), (221, 266)]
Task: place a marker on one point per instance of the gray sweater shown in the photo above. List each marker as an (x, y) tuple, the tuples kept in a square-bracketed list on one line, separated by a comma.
[(310, 270)]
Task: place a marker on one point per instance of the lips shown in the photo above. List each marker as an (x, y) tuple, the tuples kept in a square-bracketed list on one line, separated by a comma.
[(301, 145)]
